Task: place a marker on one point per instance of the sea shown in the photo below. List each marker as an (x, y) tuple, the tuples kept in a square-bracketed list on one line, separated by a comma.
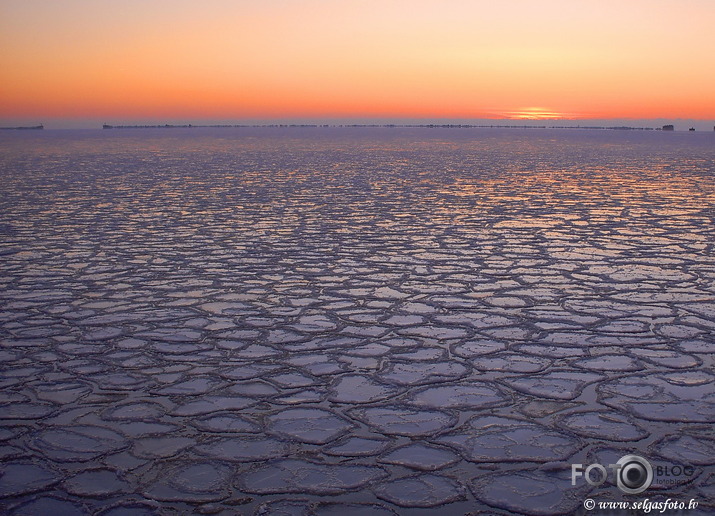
[(357, 321)]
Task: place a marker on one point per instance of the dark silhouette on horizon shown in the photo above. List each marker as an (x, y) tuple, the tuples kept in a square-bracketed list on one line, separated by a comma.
[(429, 126), (24, 128)]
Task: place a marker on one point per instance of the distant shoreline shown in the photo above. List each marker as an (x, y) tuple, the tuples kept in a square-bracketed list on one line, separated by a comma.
[(424, 126), (24, 128), (428, 126)]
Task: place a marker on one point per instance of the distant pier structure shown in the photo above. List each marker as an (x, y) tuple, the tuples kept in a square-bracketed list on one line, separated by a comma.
[(669, 127)]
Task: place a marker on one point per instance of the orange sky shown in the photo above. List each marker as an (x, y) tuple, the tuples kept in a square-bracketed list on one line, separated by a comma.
[(234, 59)]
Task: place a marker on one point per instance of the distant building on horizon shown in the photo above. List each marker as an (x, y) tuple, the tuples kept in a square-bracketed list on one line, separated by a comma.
[(669, 127)]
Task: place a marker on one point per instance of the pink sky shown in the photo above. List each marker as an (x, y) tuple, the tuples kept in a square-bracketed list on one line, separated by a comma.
[(221, 59)]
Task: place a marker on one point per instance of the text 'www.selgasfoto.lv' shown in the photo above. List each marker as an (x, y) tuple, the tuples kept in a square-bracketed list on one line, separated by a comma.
[(646, 506)]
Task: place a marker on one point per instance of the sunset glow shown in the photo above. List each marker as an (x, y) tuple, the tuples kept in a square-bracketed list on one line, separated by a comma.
[(537, 113), (357, 58)]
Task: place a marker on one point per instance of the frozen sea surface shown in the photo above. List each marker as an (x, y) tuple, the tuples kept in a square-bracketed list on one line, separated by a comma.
[(352, 321)]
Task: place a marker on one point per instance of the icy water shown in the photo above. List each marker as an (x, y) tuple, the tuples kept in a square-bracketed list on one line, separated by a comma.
[(353, 321)]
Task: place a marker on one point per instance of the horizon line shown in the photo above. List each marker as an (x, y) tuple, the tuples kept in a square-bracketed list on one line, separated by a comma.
[(664, 128), (152, 122)]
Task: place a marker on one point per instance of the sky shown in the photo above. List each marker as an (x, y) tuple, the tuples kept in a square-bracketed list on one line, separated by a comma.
[(236, 60)]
